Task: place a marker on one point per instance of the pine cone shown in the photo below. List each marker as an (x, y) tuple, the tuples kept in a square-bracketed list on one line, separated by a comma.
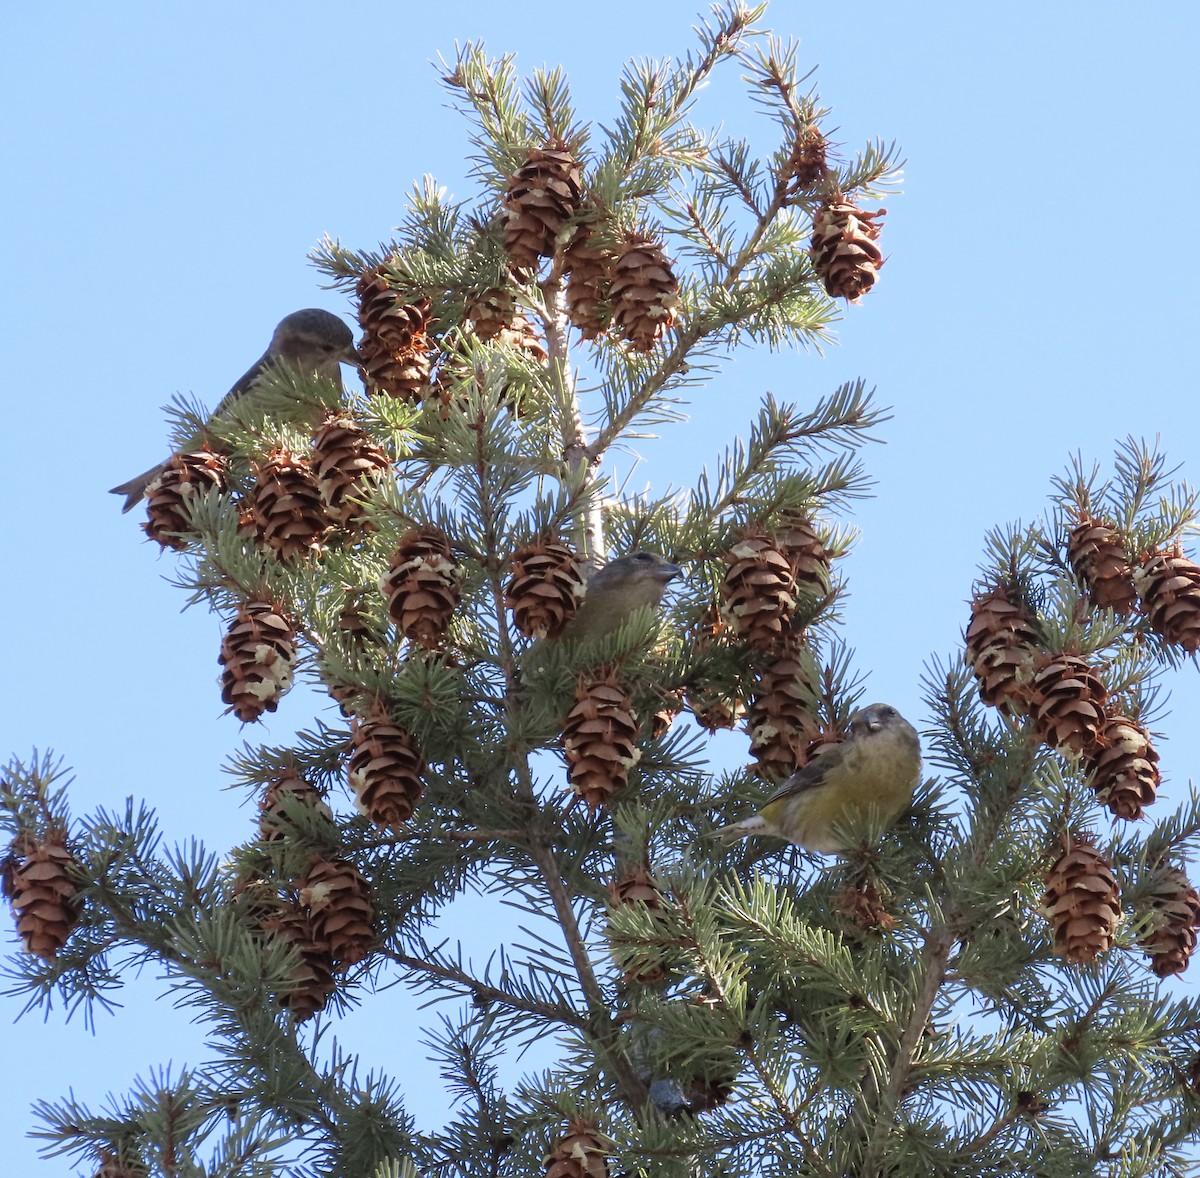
[(713, 694), (782, 719), (1002, 648), (843, 249), (311, 983), (805, 551), (637, 886), (1081, 901), (185, 478), (1168, 929), (862, 903), (496, 318), (286, 505), (759, 591), (589, 279), (1067, 703), (807, 164), (547, 584), (600, 735), (338, 898), (581, 1153), (670, 705), (543, 196), (123, 1164), (1169, 586), (39, 881), (1122, 767), (347, 464), (644, 293), (395, 348), (287, 792), (1097, 556), (258, 654), (422, 587), (359, 627), (385, 769)]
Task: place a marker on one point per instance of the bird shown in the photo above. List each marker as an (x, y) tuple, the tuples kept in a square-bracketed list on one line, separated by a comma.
[(312, 340), (874, 770), (615, 591)]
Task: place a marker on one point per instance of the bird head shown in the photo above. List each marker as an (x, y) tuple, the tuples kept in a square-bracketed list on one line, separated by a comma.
[(314, 337), (874, 718), (643, 574)]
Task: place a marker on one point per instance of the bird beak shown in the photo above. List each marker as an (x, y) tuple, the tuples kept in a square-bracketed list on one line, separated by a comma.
[(350, 356), (668, 572)]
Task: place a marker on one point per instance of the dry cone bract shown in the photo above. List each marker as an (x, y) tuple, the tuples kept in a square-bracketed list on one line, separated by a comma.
[(600, 735), (1122, 767), (258, 654), (1081, 902), (546, 585), (385, 769), (1002, 648), (644, 293), (346, 463), (1098, 559), (1169, 586), (843, 249), (543, 195), (580, 1153), (338, 898), (1172, 914), (759, 590), (39, 883), (185, 478), (286, 505), (422, 586)]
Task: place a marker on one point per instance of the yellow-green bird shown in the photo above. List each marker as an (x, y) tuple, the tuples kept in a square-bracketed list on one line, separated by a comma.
[(618, 589), (873, 771)]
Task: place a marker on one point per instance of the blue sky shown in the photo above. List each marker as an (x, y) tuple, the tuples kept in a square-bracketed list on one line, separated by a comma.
[(168, 167)]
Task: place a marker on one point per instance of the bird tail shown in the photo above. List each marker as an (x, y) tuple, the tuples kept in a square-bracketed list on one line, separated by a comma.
[(739, 830), (135, 489)]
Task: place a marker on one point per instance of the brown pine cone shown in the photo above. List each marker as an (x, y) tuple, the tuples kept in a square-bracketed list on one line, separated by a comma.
[(1067, 703), (1081, 901), (843, 249), (600, 735), (1168, 930), (581, 1153), (385, 769), (644, 293), (183, 479), (338, 898), (286, 506), (543, 196), (1169, 586), (546, 585), (801, 544), (1002, 648), (807, 164), (782, 718), (290, 791), (1122, 767), (637, 886), (258, 654), (396, 352), (589, 280), (312, 982), (759, 591), (422, 586), (1097, 556), (40, 882), (347, 464)]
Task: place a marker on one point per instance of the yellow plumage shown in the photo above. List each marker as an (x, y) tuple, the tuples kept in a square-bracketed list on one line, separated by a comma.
[(872, 774)]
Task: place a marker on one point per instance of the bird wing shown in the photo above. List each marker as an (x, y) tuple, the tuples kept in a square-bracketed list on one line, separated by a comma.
[(812, 776)]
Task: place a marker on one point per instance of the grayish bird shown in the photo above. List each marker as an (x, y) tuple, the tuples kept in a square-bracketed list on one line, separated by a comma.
[(873, 771), (615, 591), (311, 340)]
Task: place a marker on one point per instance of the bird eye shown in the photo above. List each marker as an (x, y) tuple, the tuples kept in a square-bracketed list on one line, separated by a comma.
[(643, 557), (328, 348)]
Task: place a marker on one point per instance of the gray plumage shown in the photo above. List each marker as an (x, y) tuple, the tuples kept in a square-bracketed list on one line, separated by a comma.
[(311, 340), (615, 591)]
